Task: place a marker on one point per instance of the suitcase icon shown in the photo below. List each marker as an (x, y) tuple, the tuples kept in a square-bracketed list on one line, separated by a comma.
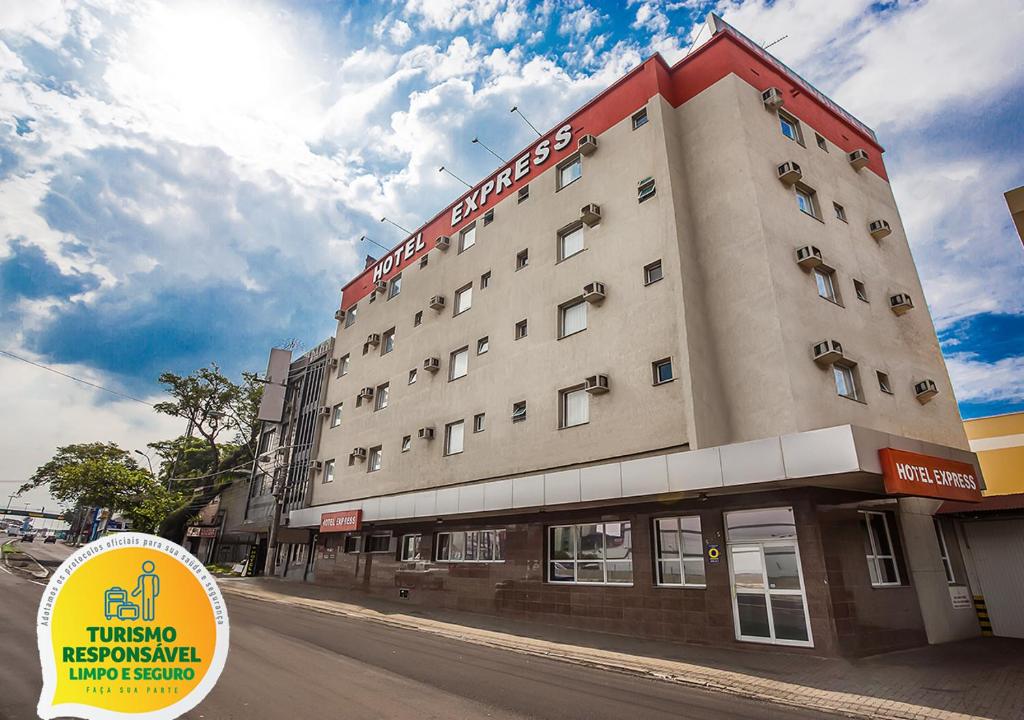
[(113, 600), (128, 612)]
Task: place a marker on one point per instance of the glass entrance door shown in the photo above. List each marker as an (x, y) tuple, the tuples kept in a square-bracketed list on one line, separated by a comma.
[(769, 603)]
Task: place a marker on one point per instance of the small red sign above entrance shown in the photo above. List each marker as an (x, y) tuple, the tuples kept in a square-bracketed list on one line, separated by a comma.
[(341, 521), (907, 473)]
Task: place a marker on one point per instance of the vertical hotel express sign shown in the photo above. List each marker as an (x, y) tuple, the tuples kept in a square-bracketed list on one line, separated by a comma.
[(130, 626)]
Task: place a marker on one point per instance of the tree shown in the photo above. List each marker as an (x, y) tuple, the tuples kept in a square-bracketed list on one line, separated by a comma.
[(70, 456), (205, 398)]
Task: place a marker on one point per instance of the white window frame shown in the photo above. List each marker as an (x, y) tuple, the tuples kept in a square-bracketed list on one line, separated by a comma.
[(567, 233), (483, 345), (576, 559), (406, 443), (485, 280), (884, 382), (387, 342), (328, 476), (563, 311), (786, 118), (463, 300), (825, 285), (453, 363), (810, 195), (336, 414), (846, 371), (659, 560), (523, 259), (407, 542), (479, 421), (563, 406), (467, 232), (947, 563), (661, 363), (413, 375), (375, 453), (350, 316), (522, 417), (395, 286), (874, 558), (494, 543), (524, 324), (343, 365), (381, 396), (840, 212), (575, 160), (640, 118), (448, 428)]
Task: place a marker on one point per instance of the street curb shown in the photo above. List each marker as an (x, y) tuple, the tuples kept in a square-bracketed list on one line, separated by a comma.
[(40, 573), (681, 673)]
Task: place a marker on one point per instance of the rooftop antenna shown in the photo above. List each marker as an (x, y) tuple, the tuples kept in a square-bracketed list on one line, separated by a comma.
[(446, 170), (366, 239), (478, 141), (695, 39), (515, 109), (774, 42), (407, 232)]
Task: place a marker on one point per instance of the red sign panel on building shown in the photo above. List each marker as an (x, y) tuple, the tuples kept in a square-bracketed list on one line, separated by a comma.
[(908, 473), (341, 521)]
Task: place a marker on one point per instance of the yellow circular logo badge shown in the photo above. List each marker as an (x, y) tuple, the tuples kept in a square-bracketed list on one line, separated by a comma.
[(130, 626)]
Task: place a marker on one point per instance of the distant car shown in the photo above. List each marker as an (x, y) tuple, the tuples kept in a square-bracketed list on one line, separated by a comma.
[(15, 531), (50, 539), (28, 537)]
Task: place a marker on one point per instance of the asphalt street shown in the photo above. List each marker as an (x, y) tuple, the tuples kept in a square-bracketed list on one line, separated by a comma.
[(292, 663)]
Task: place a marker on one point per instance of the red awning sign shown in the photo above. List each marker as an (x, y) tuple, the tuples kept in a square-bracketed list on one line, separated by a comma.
[(907, 473), (342, 521)]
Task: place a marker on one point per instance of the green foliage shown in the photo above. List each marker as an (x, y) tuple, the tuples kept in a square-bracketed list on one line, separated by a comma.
[(74, 455)]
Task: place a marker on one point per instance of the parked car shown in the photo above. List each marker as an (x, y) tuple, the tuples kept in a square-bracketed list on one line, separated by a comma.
[(50, 539), (15, 531), (28, 537)]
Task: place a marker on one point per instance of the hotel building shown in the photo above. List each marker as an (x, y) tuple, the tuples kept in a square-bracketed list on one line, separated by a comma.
[(669, 373)]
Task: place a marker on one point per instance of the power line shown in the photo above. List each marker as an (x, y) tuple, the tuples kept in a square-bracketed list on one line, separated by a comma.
[(76, 379)]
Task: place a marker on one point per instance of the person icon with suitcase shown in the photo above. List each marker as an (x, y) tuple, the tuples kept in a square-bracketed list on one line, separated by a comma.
[(147, 588)]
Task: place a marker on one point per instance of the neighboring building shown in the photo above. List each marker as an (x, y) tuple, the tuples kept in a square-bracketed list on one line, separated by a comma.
[(656, 376), (1015, 201), (991, 533), (215, 535), (289, 436)]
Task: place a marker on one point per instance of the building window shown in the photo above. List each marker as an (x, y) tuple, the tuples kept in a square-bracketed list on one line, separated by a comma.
[(328, 471), (574, 407), (521, 330), (645, 189), (406, 443), (570, 242), (373, 462), (413, 375), (524, 194), (840, 211), (411, 548), (387, 341), (454, 435), (343, 365), (488, 217), (458, 364), (467, 238), (570, 171), (826, 288), (883, 382), (591, 554), (519, 411), (572, 318), (662, 371), (485, 280), (880, 554), (378, 543), (478, 423), (482, 345), (471, 546), (790, 127), (424, 260), (639, 119), (373, 296), (680, 551), (846, 385), (395, 286), (381, 396), (336, 415), (463, 299), (352, 543), (807, 201), (862, 292), (417, 319), (947, 564), (653, 273), (821, 142), (522, 259), (350, 316)]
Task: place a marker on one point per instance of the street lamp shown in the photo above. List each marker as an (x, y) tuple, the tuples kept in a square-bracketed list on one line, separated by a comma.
[(150, 463)]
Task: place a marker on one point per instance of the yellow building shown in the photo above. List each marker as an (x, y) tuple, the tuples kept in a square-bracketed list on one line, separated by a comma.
[(999, 443)]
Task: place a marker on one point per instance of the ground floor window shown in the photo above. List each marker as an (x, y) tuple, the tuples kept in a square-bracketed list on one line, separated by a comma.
[(591, 554), (352, 543), (947, 565), (471, 546), (879, 549), (378, 543), (680, 549), (411, 545)]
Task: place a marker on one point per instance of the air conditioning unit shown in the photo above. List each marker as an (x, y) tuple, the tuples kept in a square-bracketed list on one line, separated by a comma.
[(925, 391), (827, 352), (587, 145), (324, 411), (594, 292), (380, 286), (789, 172), (316, 465), (358, 453), (334, 363), (900, 303), (339, 314), (879, 229), (266, 458), (808, 257), (432, 364), (596, 384), (366, 392), (590, 214), (437, 303), (373, 339), (443, 243), (772, 98), (425, 433), (858, 159)]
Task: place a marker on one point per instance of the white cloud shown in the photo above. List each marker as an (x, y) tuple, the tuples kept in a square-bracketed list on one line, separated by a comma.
[(978, 381), (400, 32), (452, 14), (580, 20)]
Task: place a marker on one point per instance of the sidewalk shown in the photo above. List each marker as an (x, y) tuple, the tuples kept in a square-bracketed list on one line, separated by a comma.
[(978, 678)]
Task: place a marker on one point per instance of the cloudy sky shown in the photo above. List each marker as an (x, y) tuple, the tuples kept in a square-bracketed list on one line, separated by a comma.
[(182, 182)]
